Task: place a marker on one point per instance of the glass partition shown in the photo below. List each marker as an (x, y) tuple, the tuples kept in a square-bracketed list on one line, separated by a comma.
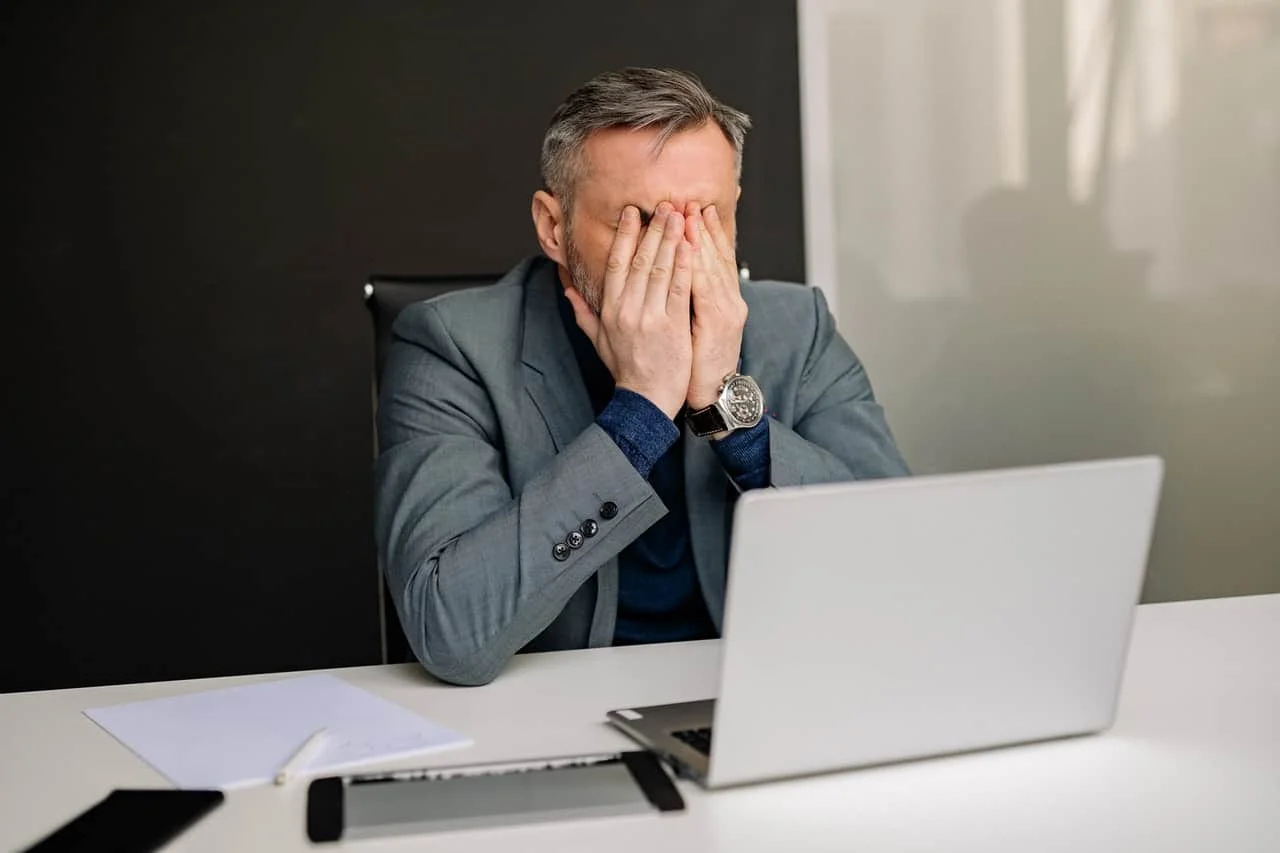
[(1051, 229)]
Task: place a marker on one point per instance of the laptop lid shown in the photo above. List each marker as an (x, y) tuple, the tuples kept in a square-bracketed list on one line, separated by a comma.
[(881, 621)]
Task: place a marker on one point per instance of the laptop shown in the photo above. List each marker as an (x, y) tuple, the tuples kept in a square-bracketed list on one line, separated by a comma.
[(890, 620)]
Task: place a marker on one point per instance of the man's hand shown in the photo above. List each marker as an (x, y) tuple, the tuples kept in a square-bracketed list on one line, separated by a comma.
[(719, 311), (642, 334)]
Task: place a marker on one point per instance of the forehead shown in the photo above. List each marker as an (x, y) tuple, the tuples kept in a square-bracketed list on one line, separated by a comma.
[(623, 166)]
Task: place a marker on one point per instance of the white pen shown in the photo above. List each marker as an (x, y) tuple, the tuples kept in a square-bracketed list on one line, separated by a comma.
[(299, 757)]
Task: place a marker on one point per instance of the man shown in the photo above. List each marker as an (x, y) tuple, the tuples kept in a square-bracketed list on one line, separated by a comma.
[(560, 452)]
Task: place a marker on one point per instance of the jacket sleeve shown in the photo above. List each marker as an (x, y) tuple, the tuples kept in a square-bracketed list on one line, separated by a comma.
[(839, 430), (472, 566)]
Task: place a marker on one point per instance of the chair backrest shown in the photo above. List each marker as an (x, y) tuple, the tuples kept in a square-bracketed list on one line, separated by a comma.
[(386, 296)]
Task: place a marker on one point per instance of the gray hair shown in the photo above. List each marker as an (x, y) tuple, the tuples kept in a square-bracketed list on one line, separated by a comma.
[(664, 98)]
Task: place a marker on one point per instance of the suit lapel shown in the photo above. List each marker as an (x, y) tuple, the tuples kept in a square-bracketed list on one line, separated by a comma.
[(552, 378), (558, 396)]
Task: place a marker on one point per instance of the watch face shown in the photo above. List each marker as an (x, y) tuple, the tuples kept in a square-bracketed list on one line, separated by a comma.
[(743, 400)]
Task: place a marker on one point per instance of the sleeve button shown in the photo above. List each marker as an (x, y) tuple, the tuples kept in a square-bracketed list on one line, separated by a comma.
[(575, 539), (590, 527), (560, 551), (608, 510)]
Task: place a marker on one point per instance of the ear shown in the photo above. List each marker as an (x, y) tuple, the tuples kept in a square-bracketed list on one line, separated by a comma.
[(738, 197), (548, 222)]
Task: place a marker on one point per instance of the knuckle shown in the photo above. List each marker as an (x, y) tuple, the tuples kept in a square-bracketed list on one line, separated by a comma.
[(640, 262), (661, 270), (615, 264)]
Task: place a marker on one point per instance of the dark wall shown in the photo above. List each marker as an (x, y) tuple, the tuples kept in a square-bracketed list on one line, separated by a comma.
[(196, 195)]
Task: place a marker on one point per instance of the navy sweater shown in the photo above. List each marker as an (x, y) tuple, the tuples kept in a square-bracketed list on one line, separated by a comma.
[(659, 599)]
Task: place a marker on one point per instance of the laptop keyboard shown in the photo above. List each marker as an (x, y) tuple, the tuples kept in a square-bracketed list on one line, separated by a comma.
[(699, 739)]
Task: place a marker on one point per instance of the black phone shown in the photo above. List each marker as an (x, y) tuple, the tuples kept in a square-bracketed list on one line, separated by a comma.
[(130, 821)]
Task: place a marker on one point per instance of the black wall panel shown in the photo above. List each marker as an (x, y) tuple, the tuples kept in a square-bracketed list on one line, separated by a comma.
[(195, 194)]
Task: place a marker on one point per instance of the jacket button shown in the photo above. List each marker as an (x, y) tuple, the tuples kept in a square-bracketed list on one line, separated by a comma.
[(560, 551), (590, 528), (574, 539), (608, 510)]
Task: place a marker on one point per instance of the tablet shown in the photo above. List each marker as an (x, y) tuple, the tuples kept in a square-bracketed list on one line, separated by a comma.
[(487, 795)]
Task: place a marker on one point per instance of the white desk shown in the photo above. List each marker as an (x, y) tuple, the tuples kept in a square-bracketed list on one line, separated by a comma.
[(1192, 764)]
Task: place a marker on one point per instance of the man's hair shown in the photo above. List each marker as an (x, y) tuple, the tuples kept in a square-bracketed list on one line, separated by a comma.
[(661, 98)]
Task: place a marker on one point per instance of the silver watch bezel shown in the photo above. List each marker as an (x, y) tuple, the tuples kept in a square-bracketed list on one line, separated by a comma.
[(723, 407)]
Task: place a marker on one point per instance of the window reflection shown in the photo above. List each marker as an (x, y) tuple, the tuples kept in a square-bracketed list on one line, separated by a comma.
[(1052, 230)]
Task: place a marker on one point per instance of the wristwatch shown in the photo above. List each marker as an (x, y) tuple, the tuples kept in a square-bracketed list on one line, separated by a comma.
[(740, 406)]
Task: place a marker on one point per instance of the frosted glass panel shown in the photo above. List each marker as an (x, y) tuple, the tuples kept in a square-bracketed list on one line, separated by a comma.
[(1051, 229)]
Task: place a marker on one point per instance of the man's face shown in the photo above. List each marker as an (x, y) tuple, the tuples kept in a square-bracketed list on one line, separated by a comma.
[(621, 169)]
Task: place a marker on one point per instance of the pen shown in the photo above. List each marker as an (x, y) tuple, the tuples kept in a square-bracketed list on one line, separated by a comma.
[(299, 756)]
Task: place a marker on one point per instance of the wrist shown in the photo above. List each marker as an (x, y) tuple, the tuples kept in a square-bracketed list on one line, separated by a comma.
[(701, 401), (668, 407), (701, 397)]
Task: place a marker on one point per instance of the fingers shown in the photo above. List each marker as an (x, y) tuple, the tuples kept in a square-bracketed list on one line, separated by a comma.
[(692, 232), (647, 251), (588, 322), (643, 262), (720, 270), (719, 236), (705, 273), (678, 293), (660, 273), (618, 267), (707, 248)]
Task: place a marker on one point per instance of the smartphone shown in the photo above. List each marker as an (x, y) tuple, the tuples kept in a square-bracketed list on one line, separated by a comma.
[(130, 821)]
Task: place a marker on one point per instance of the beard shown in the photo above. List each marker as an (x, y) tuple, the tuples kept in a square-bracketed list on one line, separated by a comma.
[(591, 288)]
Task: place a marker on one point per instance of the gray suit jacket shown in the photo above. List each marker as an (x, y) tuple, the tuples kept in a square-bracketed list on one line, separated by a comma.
[(490, 456)]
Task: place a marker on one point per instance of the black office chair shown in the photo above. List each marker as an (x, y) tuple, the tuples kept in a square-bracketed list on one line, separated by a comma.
[(386, 296)]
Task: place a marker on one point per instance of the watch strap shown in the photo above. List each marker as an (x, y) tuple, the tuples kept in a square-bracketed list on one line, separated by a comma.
[(707, 421)]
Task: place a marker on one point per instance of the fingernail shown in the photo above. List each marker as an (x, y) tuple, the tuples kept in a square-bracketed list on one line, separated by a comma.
[(629, 214), (711, 212)]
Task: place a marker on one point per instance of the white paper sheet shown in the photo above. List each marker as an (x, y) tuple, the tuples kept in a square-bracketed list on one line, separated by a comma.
[(242, 735)]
